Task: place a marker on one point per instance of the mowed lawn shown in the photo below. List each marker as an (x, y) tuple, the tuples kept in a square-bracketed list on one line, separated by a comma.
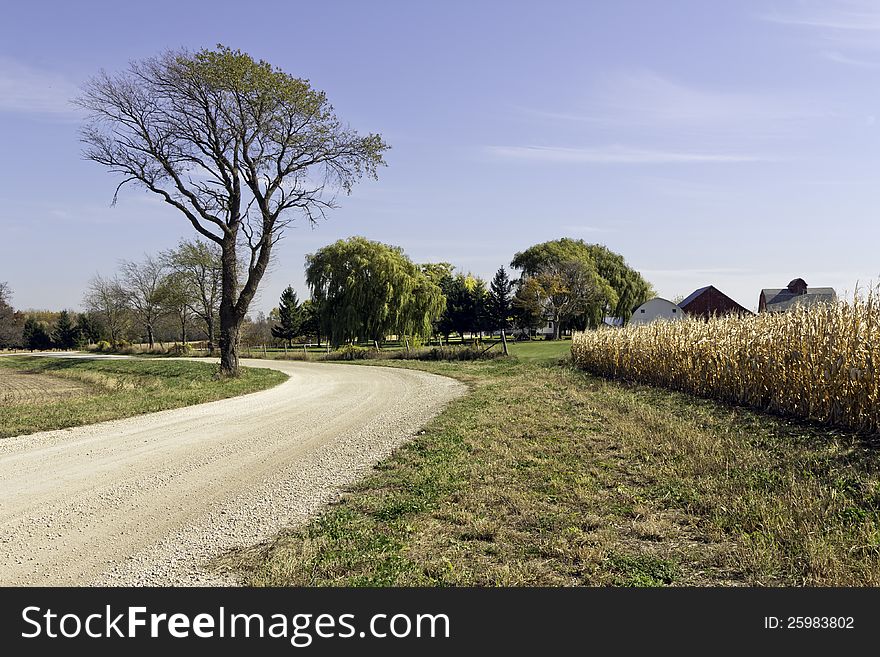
[(38, 393), (544, 475)]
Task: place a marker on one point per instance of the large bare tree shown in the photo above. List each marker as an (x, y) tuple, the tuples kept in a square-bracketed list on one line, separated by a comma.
[(234, 144)]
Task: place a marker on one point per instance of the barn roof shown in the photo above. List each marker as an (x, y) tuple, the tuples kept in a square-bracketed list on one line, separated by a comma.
[(693, 295), (782, 299)]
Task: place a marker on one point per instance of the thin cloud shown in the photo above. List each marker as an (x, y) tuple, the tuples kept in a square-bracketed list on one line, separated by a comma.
[(846, 24), (840, 58), (646, 98), (617, 155), (28, 90), (849, 15)]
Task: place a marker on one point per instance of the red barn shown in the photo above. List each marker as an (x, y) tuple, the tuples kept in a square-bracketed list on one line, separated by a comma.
[(708, 301)]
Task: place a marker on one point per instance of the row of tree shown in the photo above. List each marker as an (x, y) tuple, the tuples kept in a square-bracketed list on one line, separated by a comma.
[(42, 329), (180, 286), (366, 290)]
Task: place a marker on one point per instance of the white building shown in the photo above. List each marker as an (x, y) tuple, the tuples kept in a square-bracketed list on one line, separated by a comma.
[(654, 309)]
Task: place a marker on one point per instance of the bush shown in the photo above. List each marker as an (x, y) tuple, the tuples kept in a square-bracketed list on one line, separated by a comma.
[(350, 352), (103, 345), (179, 349), (470, 352)]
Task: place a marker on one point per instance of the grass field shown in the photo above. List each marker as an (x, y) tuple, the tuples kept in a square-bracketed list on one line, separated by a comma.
[(540, 350), (37, 394), (545, 475)]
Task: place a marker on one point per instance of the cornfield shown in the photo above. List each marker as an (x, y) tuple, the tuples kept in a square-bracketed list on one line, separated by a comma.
[(818, 363)]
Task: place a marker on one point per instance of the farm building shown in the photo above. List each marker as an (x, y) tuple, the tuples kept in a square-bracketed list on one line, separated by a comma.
[(774, 300), (708, 301), (654, 309)]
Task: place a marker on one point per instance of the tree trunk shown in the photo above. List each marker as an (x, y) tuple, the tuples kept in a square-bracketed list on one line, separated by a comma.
[(211, 336), (230, 322), (557, 333), (230, 328), (150, 336)]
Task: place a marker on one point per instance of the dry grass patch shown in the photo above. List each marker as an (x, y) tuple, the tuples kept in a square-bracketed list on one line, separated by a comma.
[(549, 476), (98, 390), (30, 388)]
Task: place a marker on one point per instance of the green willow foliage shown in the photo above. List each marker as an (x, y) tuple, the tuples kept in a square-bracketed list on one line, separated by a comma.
[(369, 290), (617, 288)]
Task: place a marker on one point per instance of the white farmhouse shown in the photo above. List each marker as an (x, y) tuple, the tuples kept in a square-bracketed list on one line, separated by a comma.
[(654, 309)]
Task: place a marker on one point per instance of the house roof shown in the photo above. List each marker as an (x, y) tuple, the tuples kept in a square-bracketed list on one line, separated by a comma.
[(782, 299)]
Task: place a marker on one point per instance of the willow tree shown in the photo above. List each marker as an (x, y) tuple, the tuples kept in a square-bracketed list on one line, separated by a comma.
[(238, 146), (624, 287), (631, 289), (369, 290), (563, 276)]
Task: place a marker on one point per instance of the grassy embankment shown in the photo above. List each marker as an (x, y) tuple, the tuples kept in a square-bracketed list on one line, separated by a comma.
[(545, 475), (38, 393)]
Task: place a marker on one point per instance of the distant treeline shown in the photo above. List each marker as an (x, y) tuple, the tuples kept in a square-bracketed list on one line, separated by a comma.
[(361, 290)]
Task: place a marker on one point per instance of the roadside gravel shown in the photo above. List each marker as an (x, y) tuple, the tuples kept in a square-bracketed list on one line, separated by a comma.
[(149, 500)]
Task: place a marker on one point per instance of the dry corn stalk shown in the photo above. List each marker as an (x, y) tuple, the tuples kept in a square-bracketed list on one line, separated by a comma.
[(818, 362)]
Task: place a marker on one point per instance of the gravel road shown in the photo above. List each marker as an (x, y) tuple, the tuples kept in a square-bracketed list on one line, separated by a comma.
[(149, 500)]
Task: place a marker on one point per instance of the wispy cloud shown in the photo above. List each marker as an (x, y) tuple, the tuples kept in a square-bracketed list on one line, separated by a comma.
[(840, 24), (840, 58), (618, 155), (840, 15), (648, 99), (27, 90)]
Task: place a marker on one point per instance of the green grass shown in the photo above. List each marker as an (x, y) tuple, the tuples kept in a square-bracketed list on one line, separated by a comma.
[(112, 389), (544, 475), (540, 350)]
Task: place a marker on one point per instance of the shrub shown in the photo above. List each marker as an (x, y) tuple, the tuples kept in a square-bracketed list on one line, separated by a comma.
[(470, 352), (179, 349), (349, 352), (103, 345)]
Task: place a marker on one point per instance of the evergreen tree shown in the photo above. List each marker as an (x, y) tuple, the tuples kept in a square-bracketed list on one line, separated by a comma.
[(290, 316), (499, 305), (311, 320), (90, 328), (66, 335), (36, 335)]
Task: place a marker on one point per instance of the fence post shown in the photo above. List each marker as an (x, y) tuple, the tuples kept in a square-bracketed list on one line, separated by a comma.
[(406, 342), (305, 351), (376, 344), (503, 342)]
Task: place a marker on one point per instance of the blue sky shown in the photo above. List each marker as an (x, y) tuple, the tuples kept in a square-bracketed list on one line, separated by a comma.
[(734, 144)]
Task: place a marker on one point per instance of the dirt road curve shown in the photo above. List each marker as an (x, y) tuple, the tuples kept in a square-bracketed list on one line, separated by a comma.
[(150, 499)]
